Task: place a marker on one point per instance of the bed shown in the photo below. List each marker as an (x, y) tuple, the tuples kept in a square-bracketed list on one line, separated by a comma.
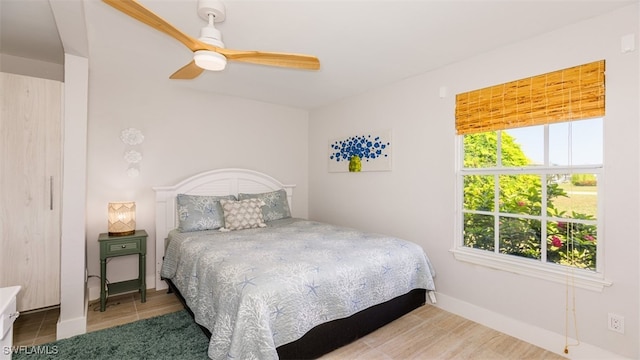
[(265, 284)]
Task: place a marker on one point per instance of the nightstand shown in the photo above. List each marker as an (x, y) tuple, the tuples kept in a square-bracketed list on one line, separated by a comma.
[(112, 246)]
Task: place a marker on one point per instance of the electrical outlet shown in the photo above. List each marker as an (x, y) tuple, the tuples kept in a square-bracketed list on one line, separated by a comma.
[(616, 323)]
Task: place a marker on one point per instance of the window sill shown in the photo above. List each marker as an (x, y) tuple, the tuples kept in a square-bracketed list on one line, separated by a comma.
[(579, 278)]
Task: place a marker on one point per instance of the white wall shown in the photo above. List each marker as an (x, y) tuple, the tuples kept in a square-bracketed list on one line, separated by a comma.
[(416, 200), (186, 132)]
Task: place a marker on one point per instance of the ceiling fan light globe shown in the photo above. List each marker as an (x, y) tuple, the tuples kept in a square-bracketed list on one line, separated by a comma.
[(210, 60)]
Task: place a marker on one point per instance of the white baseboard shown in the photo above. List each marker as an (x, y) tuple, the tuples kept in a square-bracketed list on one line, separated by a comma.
[(72, 327), (545, 339), (94, 293)]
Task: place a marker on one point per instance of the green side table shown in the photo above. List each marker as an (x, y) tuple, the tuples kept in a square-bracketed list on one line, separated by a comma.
[(112, 246)]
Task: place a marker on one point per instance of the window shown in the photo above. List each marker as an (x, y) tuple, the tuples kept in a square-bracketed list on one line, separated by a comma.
[(508, 175), (530, 185)]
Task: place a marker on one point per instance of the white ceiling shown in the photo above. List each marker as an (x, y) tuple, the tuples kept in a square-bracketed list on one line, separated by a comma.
[(361, 44), (28, 29)]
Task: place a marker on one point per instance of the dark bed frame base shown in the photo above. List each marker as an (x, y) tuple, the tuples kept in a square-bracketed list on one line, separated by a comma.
[(329, 336)]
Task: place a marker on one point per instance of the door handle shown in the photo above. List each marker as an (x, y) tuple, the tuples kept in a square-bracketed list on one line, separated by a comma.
[(50, 192)]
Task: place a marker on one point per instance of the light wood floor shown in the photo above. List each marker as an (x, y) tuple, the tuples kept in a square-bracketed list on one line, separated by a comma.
[(39, 327), (425, 333)]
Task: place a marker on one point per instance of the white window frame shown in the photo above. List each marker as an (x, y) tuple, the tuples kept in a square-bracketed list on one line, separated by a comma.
[(586, 279)]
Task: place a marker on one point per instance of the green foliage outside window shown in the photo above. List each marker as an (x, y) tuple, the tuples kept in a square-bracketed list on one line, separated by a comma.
[(568, 242)]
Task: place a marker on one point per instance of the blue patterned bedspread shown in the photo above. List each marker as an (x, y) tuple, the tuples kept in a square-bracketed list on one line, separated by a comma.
[(257, 289)]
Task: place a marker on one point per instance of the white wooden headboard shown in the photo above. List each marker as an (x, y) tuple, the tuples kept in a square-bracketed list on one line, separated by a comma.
[(213, 182)]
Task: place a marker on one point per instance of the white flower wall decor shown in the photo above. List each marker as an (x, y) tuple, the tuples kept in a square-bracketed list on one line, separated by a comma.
[(133, 172), (132, 157), (132, 137)]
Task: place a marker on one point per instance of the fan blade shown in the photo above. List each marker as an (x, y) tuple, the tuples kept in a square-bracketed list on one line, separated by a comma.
[(187, 72), (296, 61), (141, 13)]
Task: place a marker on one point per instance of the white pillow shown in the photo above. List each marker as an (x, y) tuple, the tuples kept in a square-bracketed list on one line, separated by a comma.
[(244, 214)]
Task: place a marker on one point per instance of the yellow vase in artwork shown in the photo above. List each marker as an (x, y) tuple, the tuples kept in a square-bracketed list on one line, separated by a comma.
[(355, 165)]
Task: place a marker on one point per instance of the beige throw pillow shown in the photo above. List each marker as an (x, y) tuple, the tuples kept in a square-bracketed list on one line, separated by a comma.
[(244, 214)]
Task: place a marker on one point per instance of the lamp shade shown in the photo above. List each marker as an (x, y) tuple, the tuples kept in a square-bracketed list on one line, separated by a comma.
[(122, 218)]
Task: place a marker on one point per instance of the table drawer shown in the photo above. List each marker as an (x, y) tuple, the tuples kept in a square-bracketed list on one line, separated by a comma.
[(123, 248)]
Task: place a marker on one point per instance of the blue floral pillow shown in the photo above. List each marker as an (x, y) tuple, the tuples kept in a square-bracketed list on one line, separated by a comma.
[(276, 204), (196, 213)]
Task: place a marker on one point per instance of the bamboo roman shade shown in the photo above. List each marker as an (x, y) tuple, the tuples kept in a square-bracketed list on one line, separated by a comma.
[(563, 95)]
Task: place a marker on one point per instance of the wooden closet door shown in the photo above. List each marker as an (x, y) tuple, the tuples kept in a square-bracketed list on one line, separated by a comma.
[(30, 170)]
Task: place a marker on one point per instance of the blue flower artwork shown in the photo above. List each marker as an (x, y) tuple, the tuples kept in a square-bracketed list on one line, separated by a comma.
[(373, 152)]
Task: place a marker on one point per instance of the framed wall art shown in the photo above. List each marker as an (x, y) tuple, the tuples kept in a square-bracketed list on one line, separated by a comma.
[(366, 151)]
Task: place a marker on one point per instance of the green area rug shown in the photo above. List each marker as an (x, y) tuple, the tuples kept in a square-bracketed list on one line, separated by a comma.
[(171, 336)]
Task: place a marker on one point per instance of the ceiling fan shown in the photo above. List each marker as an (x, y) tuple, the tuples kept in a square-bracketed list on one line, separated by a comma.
[(209, 52)]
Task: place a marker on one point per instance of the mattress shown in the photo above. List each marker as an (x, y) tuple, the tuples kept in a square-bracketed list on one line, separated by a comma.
[(257, 289)]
